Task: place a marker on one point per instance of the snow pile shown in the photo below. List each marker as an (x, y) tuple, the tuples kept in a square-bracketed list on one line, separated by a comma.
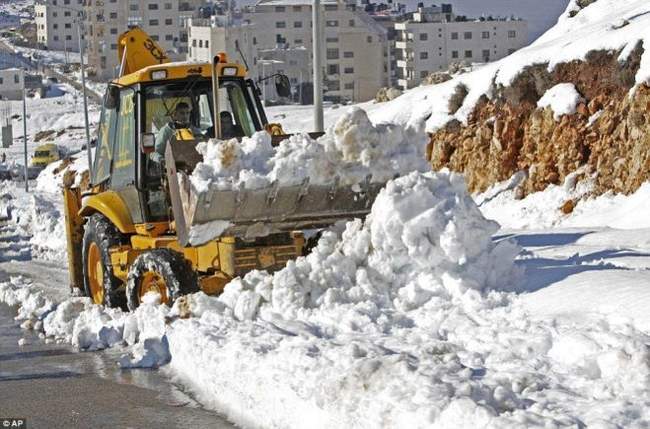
[(351, 150), (93, 327), (563, 99), (51, 178), (543, 209), (611, 25), (424, 237)]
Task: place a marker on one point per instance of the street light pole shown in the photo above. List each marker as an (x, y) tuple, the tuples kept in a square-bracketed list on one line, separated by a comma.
[(318, 72), (25, 131), (83, 85)]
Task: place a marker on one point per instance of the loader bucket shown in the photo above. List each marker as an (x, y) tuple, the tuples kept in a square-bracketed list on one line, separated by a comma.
[(200, 217)]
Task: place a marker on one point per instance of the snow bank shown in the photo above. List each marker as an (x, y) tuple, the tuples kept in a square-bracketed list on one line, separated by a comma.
[(541, 210), (91, 327), (351, 150), (50, 180), (563, 99)]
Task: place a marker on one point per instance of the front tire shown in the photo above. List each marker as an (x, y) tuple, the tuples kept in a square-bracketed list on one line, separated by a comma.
[(163, 271), (99, 282)]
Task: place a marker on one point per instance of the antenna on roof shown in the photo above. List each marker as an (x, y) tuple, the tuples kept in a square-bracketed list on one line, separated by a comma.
[(241, 54)]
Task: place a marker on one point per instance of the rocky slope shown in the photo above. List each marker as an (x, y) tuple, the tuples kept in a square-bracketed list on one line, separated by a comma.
[(506, 132)]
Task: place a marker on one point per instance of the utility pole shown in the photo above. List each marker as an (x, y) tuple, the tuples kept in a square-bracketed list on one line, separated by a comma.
[(318, 71), (25, 130), (83, 85)]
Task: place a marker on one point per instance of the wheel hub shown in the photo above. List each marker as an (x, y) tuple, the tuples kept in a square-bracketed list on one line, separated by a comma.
[(95, 274), (153, 282)]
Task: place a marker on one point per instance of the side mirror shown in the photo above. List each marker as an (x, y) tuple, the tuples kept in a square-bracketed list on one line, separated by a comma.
[(112, 98), (147, 143), (282, 85)]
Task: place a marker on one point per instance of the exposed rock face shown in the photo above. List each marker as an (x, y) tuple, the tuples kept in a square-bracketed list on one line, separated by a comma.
[(609, 134)]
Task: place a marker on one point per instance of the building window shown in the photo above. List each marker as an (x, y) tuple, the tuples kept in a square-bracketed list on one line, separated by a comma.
[(468, 54), (297, 8), (55, 26), (154, 38), (54, 14), (424, 36), (68, 37), (169, 21), (114, 46), (133, 7), (454, 36), (113, 30), (348, 70), (333, 69), (207, 43), (349, 85), (351, 23), (485, 35), (66, 1), (280, 24), (113, 15), (511, 51), (486, 54), (56, 38), (454, 54), (194, 43), (152, 6), (369, 39), (200, 43), (332, 40), (297, 24), (424, 55), (348, 54), (467, 35), (153, 22), (331, 7), (297, 41), (331, 23), (169, 37), (254, 40), (168, 6), (512, 34), (68, 25), (66, 13), (332, 54), (424, 74), (280, 8), (334, 85)]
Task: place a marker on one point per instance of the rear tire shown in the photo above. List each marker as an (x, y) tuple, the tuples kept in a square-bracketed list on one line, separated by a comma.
[(160, 270), (99, 282)]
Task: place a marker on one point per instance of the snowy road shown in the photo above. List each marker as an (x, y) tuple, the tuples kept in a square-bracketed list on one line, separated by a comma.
[(52, 386)]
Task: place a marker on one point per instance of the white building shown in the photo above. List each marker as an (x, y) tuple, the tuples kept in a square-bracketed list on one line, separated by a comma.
[(11, 84), (164, 21), (220, 33), (434, 38), (56, 24), (355, 53)]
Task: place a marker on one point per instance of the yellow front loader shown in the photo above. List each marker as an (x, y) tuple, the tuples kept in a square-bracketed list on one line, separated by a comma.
[(130, 230)]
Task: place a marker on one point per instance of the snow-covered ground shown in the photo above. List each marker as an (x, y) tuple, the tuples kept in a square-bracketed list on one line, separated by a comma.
[(442, 309)]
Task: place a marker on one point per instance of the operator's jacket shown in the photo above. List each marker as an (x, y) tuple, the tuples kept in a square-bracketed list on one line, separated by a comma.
[(164, 136)]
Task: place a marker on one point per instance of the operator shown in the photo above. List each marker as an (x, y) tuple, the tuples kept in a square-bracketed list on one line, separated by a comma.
[(228, 127), (180, 120)]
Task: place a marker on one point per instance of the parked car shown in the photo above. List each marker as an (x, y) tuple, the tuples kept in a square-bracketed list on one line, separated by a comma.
[(46, 154), (17, 172)]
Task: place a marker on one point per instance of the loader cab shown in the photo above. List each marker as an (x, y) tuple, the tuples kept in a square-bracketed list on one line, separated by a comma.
[(133, 116)]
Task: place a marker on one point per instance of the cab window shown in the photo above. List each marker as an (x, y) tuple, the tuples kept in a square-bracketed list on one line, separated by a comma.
[(104, 146), (124, 149)]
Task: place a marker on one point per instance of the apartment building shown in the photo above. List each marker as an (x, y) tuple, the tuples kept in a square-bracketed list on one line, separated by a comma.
[(164, 21), (434, 38), (355, 54), (56, 24)]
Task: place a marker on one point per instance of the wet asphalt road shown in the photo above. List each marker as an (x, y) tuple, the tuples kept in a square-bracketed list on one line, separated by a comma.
[(52, 386)]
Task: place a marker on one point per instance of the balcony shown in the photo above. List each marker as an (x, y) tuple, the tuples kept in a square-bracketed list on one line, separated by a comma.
[(408, 44)]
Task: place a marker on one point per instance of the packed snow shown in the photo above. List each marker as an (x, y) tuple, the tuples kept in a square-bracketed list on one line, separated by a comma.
[(563, 99), (351, 150)]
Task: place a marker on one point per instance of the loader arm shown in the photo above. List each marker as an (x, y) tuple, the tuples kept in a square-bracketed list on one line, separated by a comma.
[(136, 50)]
